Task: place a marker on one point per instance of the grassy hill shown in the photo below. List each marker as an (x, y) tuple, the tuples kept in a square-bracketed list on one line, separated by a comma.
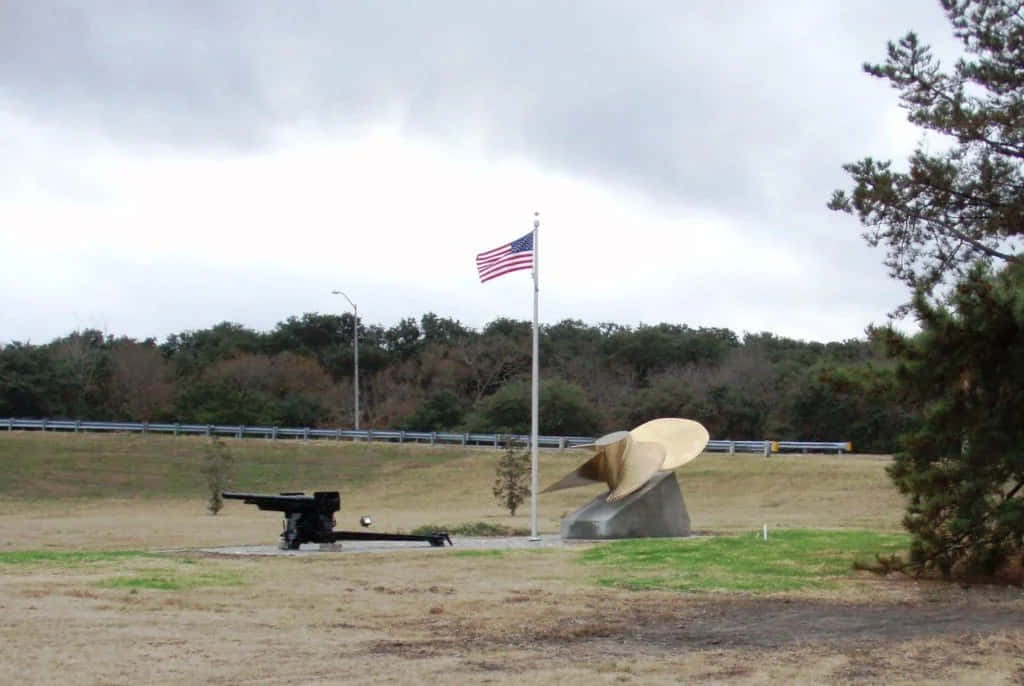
[(444, 484)]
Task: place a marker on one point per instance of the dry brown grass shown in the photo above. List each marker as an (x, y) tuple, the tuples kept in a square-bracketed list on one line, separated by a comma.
[(401, 486), (434, 616), (442, 616)]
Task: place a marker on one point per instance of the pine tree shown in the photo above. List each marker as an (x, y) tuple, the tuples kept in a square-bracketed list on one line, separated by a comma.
[(951, 225), (965, 204), (963, 470)]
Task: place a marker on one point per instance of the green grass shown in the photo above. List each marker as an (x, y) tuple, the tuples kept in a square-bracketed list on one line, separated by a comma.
[(68, 559), (788, 561), (173, 580), (472, 529), (171, 575), (479, 553)]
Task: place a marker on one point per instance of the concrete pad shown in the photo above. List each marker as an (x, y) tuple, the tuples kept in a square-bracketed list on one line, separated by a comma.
[(655, 511), (408, 547)]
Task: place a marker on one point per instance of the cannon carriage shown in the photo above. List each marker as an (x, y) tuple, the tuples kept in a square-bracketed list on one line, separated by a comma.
[(310, 519)]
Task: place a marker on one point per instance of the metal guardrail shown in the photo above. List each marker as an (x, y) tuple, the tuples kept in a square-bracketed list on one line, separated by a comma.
[(733, 447), (812, 446), (432, 437)]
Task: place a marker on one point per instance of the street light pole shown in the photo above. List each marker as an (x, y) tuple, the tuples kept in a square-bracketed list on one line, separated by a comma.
[(355, 349)]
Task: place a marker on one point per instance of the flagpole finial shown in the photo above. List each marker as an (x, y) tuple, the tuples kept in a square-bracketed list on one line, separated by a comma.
[(536, 220)]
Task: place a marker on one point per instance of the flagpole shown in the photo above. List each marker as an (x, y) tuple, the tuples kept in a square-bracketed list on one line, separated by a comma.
[(534, 406)]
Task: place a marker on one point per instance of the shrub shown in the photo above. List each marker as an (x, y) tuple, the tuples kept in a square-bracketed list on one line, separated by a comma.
[(216, 468), (512, 476)]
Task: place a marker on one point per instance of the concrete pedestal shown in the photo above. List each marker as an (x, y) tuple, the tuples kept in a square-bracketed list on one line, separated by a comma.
[(655, 511)]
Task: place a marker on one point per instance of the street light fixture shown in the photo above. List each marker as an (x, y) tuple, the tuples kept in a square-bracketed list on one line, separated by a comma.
[(355, 349)]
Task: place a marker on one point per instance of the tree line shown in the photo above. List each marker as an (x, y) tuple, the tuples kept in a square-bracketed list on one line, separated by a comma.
[(437, 374)]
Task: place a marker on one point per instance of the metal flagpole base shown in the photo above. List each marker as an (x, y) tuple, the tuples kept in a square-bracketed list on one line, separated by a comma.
[(533, 538)]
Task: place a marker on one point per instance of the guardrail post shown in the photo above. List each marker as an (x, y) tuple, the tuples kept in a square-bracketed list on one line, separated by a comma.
[(495, 440), (305, 433), (10, 424), (209, 430), (43, 425), (433, 437), (561, 444), (145, 426), (465, 439), (767, 448), (732, 447), (401, 436), (78, 425)]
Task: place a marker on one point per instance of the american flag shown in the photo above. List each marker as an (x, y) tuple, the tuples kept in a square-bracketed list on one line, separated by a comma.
[(510, 257)]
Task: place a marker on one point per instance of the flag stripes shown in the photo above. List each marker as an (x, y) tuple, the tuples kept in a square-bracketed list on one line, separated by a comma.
[(507, 258)]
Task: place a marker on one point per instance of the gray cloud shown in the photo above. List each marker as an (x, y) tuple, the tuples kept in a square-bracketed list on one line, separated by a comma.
[(746, 109), (693, 101)]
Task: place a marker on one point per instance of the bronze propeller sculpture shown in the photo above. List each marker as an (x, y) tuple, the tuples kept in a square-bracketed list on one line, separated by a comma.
[(626, 460)]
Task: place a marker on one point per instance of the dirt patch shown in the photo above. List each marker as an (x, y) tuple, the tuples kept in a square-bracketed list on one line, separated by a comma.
[(443, 618), (657, 624), (769, 623), (722, 639)]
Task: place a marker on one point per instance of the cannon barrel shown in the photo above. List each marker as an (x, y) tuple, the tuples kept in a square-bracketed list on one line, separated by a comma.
[(322, 502)]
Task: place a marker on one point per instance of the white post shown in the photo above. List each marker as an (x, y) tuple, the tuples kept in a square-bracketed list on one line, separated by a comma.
[(534, 405), (355, 346), (355, 353)]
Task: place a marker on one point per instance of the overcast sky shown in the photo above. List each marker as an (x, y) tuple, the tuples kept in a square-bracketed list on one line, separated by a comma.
[(168, 166)]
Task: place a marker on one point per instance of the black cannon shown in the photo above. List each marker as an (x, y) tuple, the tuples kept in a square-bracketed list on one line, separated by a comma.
[(310, 519)]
